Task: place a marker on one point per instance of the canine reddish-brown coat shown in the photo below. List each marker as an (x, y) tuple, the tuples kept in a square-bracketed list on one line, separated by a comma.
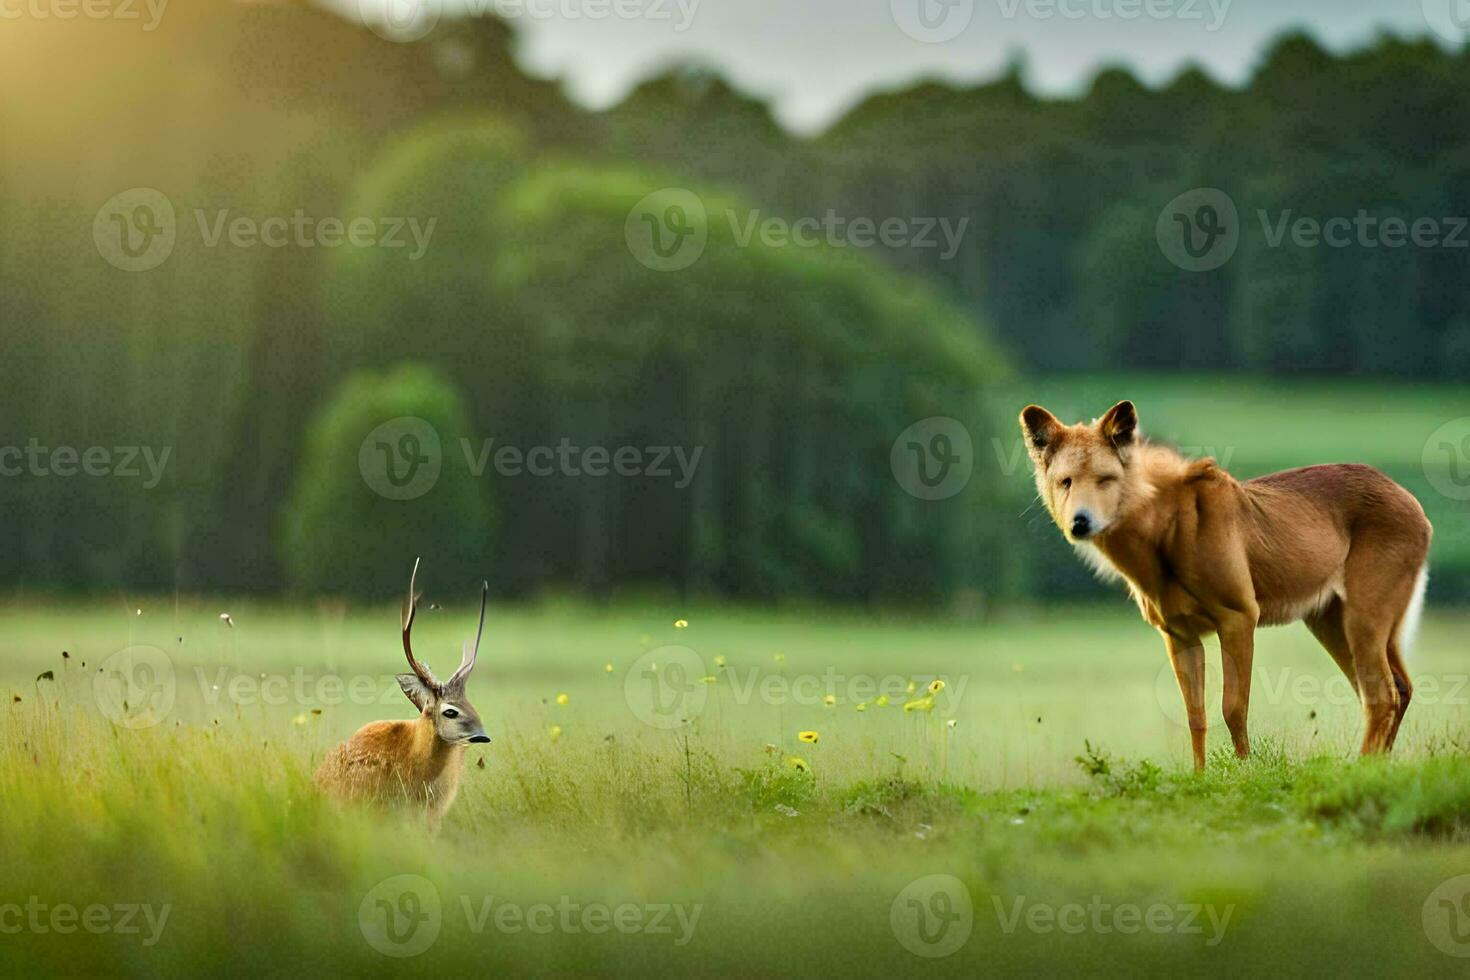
[(1342, 547)]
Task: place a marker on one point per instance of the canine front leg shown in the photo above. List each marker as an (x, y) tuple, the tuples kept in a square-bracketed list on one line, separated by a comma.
[(1188, 657), (1237, 653)]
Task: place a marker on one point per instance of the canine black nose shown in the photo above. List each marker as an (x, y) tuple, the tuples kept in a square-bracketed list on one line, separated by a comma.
[(1081, 526)]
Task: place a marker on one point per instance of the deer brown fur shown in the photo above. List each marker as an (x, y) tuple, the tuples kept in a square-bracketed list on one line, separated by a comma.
[(416, 762)]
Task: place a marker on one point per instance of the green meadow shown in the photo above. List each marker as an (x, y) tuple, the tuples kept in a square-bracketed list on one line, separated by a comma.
[(659, 818)]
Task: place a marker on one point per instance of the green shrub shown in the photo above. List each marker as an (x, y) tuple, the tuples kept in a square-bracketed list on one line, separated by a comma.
[(382, 480)]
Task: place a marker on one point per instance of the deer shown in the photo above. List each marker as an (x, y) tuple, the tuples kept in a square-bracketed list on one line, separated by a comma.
[(416, 762)]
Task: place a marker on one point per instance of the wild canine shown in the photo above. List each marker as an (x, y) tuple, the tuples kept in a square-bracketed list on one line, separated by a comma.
[(1341, 547), (417, 761)]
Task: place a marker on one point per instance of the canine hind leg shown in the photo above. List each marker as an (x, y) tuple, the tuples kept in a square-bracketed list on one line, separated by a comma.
[(1377, 598), (1402, 683), (1326, 626)]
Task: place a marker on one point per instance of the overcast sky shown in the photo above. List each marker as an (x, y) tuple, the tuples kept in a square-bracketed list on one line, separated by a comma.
[(812, 59)]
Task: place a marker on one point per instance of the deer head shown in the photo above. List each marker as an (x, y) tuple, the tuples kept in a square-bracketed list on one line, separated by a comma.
[(455, 720)]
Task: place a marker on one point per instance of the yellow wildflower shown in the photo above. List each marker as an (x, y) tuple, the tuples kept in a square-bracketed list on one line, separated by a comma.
[(562, 698), (810, 737), (798, 763), (935, 686), (926, 703)]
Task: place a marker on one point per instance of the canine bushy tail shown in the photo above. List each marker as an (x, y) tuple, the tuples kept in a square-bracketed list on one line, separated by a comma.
[(1409, 625)]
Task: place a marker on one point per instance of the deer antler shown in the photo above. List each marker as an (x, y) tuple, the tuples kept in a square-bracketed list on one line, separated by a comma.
[(411, 607), (467, 660)]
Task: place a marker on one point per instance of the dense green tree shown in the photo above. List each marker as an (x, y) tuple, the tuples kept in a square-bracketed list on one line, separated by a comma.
[(381, 479)]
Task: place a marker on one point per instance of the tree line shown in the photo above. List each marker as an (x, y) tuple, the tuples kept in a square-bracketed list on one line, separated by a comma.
[(530, 319)]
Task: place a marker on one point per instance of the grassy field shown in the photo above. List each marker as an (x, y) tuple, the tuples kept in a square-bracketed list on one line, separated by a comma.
[(657, 820)]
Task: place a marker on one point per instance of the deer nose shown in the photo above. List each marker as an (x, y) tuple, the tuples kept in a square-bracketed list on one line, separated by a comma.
[(1081, 525), (480, 737)]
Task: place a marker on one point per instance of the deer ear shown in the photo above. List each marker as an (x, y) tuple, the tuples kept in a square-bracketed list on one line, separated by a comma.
[(1040, 428), (418, 692), (1120, 425)]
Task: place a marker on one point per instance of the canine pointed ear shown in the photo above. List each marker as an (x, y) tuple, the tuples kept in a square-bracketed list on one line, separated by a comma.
[(1120, 425), (1040, 428), (418, 692)]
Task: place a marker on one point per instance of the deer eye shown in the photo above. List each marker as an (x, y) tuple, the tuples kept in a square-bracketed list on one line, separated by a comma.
[(450, 713), (1067, 483)]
